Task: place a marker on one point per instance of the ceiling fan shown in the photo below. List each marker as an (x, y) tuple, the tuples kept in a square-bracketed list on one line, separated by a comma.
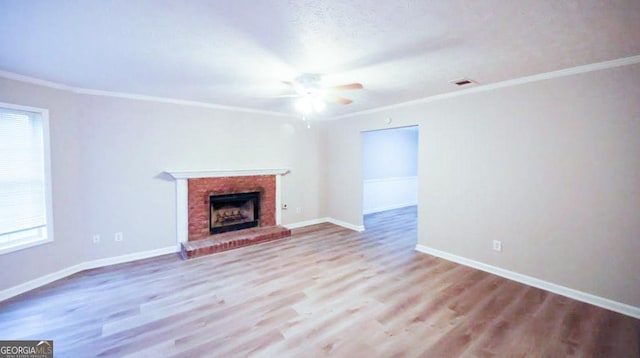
[(313, 96)]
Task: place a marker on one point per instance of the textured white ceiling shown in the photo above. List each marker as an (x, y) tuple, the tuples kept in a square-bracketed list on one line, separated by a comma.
[(235, 53)]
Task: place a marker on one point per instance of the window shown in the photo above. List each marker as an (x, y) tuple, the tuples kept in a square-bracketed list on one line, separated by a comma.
[(25, 195)]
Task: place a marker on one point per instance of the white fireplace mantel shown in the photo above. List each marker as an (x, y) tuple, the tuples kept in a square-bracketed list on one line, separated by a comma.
[(192, 174), (182, 202)]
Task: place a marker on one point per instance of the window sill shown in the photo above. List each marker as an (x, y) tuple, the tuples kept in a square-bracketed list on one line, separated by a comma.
[(5, 249)]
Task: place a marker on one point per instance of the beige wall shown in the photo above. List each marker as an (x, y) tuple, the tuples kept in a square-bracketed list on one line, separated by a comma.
[(20, 266), (550, 168), (108, 158)]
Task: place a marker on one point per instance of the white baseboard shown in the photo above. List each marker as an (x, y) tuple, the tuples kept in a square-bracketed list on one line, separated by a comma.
[(389, 207), (130, 257), (41, 281), (358, 228), (532, 281), (300, 224)]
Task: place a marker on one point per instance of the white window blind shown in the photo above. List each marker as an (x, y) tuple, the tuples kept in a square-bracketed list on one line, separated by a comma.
[(22, 177)]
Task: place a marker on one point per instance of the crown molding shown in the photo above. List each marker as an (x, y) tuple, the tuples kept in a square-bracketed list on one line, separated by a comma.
[(94, 92), (35, 81), (625, 61), (180, 102), (509, 83)]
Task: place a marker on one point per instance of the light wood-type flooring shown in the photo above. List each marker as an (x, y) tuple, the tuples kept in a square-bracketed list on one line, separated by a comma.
[(327, 291)]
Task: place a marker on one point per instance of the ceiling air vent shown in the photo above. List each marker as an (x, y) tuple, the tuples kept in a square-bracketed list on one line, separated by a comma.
[(463, 82)]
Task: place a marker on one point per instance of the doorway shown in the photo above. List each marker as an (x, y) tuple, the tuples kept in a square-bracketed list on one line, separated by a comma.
[(390, 169)]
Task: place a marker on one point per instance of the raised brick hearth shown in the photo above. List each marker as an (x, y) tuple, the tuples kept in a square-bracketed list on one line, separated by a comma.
[(233, 240)]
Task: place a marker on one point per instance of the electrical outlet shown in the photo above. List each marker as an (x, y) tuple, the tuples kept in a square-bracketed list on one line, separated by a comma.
[(118, 236), (298, 210), (96, 239), (497, 245)]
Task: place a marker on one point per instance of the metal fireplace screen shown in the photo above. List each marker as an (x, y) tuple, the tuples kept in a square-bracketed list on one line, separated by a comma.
[(230, 212)]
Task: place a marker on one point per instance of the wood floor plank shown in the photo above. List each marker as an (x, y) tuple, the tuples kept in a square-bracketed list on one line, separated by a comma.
[(327, 291)]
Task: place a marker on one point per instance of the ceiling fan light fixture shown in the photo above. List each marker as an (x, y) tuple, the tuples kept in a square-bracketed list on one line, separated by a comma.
[(313, 97), (304, 105), (310, 104), (318, 104)]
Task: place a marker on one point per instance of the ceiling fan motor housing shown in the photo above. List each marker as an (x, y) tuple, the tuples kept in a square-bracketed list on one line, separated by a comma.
[(309, 79)]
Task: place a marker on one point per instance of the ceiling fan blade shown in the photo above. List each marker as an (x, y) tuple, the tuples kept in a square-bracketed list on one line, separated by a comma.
[(350, 86), (300, 89), (338, 99)]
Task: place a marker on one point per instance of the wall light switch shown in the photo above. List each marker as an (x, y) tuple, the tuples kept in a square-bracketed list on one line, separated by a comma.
[(96, 239), (118, 236)]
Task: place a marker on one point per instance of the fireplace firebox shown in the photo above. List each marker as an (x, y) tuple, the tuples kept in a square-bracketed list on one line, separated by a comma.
[(230, 212)]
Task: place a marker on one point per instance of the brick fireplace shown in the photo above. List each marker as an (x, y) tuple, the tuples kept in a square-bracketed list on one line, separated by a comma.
[(201, 189), (194, 187)]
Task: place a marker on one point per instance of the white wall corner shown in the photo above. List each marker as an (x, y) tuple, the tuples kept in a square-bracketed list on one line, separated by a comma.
[(358, 228), (532, 281)]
